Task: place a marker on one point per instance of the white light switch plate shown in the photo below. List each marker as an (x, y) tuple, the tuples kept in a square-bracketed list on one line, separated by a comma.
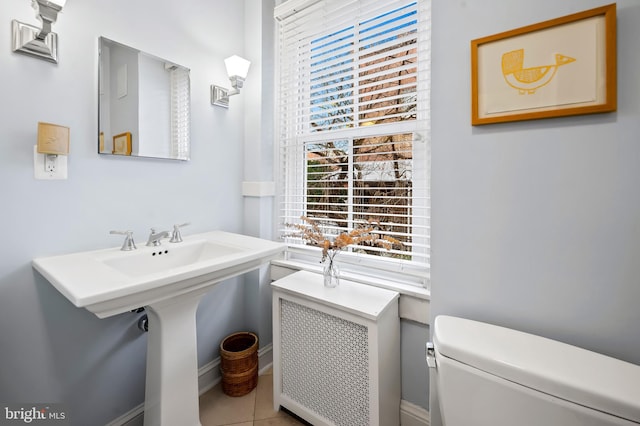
[(39, 171)]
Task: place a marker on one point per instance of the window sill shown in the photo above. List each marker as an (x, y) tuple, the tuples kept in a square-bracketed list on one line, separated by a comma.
[(414, 301)]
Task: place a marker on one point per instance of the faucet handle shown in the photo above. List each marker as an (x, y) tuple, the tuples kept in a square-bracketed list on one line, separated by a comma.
[(128, 244), (175, 235)]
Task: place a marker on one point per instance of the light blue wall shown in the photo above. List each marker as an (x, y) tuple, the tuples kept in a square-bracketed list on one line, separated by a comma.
[(51, 351), (536, 225), (415, 380)]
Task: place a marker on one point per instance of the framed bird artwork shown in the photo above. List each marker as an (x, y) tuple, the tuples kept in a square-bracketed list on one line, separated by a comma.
[(561, 67)]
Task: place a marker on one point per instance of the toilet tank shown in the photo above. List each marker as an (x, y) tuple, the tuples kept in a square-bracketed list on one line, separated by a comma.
[(491, 375)]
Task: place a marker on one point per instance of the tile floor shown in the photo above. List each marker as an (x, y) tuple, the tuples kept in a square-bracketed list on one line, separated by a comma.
[(253, 409)]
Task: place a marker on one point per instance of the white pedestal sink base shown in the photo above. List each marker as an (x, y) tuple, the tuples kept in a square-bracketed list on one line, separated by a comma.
[(108, 282), (171, 396)]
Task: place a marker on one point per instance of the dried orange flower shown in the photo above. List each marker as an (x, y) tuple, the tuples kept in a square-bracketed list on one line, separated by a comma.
[(311, 233)]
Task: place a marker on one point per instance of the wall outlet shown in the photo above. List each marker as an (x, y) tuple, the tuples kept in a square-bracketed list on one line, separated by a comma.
[(49, 167), (50, 163)]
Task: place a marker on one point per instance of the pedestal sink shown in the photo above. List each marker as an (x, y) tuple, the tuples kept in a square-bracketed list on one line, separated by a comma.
[(169, 281)]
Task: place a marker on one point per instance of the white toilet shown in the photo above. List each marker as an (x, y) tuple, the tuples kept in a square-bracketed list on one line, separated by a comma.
[(493, 376)]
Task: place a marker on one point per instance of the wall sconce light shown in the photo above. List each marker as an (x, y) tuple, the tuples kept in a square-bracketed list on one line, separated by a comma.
[(237, 69), (34, 41)]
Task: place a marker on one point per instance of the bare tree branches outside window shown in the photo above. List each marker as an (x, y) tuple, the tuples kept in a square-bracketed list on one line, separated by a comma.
[(368, 177)]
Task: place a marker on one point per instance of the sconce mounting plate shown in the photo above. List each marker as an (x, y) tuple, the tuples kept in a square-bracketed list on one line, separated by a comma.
[(219, 96), (25, 41)]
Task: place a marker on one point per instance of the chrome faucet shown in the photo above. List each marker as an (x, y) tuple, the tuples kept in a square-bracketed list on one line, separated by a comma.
[(155, 237)]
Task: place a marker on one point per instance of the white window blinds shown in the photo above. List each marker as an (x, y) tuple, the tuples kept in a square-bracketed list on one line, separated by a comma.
[(180, 117), (353, 124)]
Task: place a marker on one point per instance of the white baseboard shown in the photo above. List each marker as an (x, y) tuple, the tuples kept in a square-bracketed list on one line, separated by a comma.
[(132, 417), (413, 415), (209, 376), (265, 358)]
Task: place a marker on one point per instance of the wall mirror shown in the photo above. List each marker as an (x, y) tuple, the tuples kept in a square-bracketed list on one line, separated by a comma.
[(144, 104)]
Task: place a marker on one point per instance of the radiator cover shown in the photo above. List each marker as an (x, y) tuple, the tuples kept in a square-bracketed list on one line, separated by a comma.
[(336, 363), (321, 355)]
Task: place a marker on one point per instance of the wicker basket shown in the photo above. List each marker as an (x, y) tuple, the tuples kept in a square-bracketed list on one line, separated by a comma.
[(239, 363)]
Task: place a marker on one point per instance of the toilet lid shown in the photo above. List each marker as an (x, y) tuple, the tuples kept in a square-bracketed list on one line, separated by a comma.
[(564, 371)]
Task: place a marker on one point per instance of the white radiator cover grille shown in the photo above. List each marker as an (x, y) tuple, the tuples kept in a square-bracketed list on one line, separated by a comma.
[(325, 364)]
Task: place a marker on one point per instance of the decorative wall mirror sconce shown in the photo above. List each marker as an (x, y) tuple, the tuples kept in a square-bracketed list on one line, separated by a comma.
[(237, 69), (34, 41)]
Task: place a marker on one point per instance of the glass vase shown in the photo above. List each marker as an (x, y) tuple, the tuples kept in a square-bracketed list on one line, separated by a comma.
[(331, 272)]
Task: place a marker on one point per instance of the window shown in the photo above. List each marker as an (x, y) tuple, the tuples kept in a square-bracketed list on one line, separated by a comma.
[(353, 126)]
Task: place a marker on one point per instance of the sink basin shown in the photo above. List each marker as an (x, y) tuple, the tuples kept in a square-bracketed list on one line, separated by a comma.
[(169, 281), (111, 281), (165, 258)]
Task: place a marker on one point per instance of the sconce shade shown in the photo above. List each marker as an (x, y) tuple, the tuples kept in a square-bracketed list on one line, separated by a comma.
[(237, 70), (237, 66)]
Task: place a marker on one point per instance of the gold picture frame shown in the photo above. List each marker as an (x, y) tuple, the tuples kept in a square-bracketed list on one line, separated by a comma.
[(561, 67), (122, 144)]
